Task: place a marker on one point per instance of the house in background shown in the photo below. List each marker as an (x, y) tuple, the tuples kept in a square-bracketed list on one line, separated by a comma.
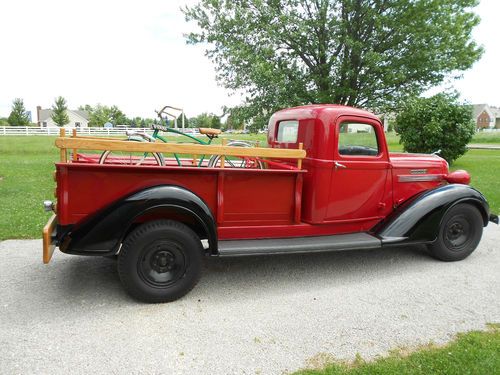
[(77, 119), (486, 117)]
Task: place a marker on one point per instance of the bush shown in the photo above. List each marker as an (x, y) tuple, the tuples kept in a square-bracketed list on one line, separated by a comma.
[(437, 123)]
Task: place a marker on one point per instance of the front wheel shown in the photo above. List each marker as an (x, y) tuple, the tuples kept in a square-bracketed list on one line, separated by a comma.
[(460, 233), (160, 261)]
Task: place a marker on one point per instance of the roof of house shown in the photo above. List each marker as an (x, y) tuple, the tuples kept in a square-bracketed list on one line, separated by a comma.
[(496, 111), (477, 109), (45, 114)]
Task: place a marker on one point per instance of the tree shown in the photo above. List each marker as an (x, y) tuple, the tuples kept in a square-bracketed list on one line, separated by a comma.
[(18, 115), (437, 123), (101, 114), (368, 53), (205, 120), (59, 112), (215, 122), (232, 124)]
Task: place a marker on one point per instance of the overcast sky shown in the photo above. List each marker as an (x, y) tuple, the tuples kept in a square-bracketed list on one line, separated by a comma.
[(133, 54)]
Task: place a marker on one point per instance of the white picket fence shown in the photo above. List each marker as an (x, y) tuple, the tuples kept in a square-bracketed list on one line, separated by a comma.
[(35, 130)]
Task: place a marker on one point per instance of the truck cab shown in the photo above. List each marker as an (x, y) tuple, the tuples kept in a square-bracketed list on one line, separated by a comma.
[(352, 180)]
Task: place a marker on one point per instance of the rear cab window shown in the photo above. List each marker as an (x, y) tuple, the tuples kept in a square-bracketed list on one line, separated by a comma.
[(288, 131)]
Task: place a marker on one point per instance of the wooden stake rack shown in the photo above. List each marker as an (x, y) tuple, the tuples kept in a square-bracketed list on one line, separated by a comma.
[(75, 143)]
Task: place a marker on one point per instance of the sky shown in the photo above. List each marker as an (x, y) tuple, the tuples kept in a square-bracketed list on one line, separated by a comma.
[(133, 54)]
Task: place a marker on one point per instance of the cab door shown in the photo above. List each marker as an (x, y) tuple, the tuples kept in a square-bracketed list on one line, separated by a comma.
[(360, 181)]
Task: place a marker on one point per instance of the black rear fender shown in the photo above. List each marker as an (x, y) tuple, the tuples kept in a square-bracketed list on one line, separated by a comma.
[(103, 232), (419, 219)]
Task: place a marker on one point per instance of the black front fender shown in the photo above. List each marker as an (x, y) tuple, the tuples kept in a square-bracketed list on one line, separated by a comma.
[(103, 232), (418, 220)]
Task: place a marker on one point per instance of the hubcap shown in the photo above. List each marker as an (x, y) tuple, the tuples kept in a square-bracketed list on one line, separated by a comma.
[(162, 264), (162, 261), (458, 232)]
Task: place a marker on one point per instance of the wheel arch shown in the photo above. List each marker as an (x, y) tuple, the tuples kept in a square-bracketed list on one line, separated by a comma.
[(418, 220), (103, 232), (484, 211)]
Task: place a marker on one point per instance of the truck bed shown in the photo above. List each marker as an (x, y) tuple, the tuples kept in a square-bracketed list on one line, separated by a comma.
[(237, 197)]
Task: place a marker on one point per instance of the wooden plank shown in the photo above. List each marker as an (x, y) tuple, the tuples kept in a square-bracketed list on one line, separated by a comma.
[(117, 145), (118, 137), (299, 162), (222, 159), (48, 245), (75, 151), (63, 153)]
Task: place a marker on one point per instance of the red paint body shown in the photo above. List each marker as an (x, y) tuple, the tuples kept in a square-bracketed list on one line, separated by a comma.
[(322, 199)]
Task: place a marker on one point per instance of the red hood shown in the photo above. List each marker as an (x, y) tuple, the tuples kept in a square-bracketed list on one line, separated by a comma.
[(434, 163), (414, 173)]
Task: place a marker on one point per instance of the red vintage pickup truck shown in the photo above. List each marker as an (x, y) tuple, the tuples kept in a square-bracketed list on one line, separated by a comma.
[(346, 192)]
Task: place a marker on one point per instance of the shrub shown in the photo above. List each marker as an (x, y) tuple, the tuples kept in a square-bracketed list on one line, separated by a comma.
[(437, 123)]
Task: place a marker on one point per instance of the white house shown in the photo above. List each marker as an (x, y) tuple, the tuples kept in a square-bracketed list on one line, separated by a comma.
[(78, 119)]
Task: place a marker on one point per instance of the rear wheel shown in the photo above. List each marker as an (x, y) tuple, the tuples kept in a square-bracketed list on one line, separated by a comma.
[(460, 233), (160, 261)]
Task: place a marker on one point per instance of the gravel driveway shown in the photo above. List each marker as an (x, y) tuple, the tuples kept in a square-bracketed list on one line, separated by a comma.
[(264, 315)]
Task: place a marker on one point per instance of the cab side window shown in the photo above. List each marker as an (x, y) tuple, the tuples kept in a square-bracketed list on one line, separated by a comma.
[(357, 139)]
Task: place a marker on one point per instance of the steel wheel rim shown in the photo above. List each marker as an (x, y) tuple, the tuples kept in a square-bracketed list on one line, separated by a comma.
[(162, 264), (458, 232)]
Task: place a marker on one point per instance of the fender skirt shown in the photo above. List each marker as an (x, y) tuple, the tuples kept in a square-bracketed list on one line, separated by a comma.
[(418, 220), (103, 232)]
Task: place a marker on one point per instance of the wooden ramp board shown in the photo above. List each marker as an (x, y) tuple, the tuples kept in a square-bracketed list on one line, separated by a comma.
[(337, 242)]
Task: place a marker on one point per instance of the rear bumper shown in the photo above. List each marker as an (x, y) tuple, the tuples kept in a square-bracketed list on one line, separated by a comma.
[(49, 238), (494, 218)]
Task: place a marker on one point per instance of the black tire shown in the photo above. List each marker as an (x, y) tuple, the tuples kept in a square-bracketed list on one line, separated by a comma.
[(459, 235), (160, 261)]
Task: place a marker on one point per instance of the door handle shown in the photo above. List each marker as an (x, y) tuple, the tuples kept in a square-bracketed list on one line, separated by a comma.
[(338, 165)]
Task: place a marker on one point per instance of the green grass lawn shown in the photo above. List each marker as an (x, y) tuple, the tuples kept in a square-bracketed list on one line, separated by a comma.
[(485, 137), (26, 166), (471, 353)]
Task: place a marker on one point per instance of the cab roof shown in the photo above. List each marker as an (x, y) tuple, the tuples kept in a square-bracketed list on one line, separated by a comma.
[(318, 110)]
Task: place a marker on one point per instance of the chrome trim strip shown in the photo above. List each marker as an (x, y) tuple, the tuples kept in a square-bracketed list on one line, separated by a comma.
[(419, 178)]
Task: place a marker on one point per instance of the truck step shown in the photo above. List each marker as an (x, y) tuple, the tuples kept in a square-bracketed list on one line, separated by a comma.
[(298, 244)]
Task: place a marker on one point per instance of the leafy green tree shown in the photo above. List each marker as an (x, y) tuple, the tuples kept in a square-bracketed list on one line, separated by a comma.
[(204, 120), (368, 53), (4, 121), (59, 112), (233, 124), (437, 123), (101, 114), (18, 115), (215, 122)]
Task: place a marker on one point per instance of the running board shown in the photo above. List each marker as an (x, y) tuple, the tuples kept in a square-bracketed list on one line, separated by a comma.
[(288, 245)]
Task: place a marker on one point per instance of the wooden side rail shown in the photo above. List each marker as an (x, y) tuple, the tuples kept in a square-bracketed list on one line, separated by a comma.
[(82, 143)]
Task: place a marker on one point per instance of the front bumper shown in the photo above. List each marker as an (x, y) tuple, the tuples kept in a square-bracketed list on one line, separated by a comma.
[(49, 238)]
